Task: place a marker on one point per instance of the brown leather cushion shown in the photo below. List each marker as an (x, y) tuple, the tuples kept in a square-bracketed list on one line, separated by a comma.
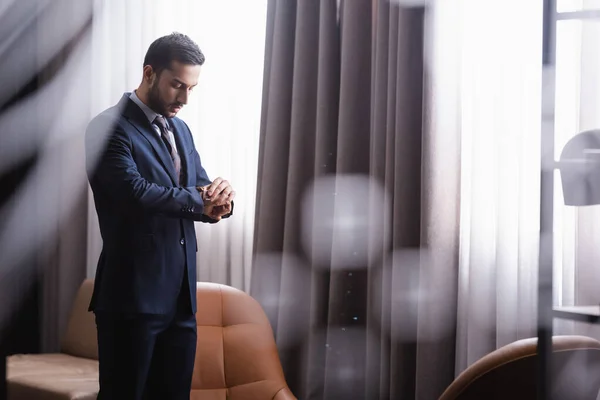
[(51, 377), (80, 339), (510, 372), (236, 355)]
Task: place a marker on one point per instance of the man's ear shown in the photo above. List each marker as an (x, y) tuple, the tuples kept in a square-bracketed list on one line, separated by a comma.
[(149, 74)]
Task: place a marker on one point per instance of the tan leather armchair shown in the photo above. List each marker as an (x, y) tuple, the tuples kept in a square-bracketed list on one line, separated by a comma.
[(236, 355), (71, 374), (510, 372)]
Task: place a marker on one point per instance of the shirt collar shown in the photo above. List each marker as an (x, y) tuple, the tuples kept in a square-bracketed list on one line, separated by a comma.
[(150, 114)]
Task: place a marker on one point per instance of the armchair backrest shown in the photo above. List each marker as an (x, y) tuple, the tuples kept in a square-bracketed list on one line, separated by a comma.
[(236, 355), (80, 339), (511, 372)]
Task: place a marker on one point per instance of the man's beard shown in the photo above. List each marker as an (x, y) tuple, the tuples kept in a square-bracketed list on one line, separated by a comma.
[(155, 103)]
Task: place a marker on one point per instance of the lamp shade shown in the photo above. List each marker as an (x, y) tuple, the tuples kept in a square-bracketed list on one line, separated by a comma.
[(579, 168)]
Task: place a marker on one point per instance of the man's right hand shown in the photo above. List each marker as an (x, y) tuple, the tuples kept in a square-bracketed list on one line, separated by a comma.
[(220, 191)]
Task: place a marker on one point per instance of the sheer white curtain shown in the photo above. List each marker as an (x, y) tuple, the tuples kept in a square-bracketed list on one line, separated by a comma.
[(489, 101), (223, 113)]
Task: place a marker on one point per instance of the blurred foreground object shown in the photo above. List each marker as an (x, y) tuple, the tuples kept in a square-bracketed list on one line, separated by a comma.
[(343, 219)]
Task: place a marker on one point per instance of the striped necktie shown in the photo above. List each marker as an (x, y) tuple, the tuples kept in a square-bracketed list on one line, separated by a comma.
[(166, 137)]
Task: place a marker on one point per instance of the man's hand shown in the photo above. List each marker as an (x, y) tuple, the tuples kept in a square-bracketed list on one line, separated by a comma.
[(217, 212), (218, 203), (219, 192)]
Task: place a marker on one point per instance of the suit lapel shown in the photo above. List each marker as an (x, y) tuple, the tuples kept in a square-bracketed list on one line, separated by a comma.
[(138, 119)]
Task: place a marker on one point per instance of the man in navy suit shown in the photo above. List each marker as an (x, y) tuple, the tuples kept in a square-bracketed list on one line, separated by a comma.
[(149, 187)]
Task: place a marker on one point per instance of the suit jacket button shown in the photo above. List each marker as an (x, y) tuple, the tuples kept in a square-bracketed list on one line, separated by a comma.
[(182, 241)]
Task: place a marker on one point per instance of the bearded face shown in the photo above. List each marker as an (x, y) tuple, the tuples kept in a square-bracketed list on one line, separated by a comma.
[(171, 87)]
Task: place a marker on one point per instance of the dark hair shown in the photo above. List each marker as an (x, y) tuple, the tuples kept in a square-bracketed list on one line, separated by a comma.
[(173, 47)]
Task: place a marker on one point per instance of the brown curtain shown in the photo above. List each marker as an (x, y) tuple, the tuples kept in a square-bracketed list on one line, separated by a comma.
[(343, 115)]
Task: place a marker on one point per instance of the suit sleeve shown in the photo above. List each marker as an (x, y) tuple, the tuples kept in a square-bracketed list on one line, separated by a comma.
[(203, 180), (115, 173)]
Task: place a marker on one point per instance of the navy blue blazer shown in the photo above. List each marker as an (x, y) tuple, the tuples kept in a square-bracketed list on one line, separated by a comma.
[(146, 219)]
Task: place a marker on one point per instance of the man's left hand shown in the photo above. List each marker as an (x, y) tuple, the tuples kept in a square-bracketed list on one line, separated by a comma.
[(218, 212)]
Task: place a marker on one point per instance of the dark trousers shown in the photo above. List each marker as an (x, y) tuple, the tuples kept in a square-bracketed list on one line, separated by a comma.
[(147, 356)]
